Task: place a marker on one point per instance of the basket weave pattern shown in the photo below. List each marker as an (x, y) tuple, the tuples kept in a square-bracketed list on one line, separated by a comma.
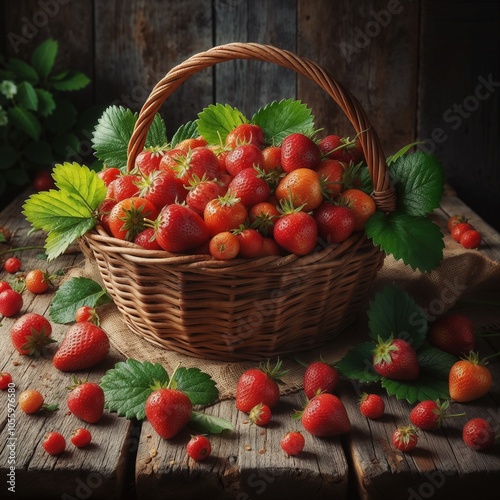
[(244, 309)]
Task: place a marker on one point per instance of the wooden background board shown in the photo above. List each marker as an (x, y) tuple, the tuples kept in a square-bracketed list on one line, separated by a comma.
[(408, 62)]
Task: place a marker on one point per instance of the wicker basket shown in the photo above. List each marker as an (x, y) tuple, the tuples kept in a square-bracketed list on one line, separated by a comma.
[(243, 309)]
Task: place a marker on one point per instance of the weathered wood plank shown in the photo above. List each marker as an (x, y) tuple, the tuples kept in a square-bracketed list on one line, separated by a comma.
[(371, 48), (249, 85)]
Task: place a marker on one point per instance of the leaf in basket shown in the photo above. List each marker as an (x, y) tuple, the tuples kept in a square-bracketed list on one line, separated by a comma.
[(67, 213), (199, 386), (424, 388), (75, 293), (187, 131), (357, 363), (208, 424), (157, 133), (279, 119), (393, 312), (435, 362), (217, 120), (415, 240), (419, 182), (128, 385)]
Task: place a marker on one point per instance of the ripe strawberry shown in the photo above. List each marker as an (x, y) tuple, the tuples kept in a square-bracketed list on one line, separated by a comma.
[(246, 133), (103, 212), (43, 180), (147, 239), (395, 359), (30, 334), (86, 401), (162, 188), (453, 333), (478, 434), (269, 247), (325, 415), (250, 186), (201, 191), (224, 246), (259, 385), (54, 443), (199, 448), (469, 379), (109, 174), (37, 281), (86, 314), (271, 159), (341, 148), (5, 380), (331, 174), (429, 415), (262, 217), (197, 162), (123, 187), (362, 205), (168, 411), (12, 265), (371, 406), (180, 229), (32, 401), (81, 438), (405, 438), (224, 214), (320, 377), (459, 229), (335, 223), (84, 346), (148, 161), (260, 414), (303, 187), (299, 151), (242, 157), (471, 239), (454, 220), (4, 285), (127, 217), (250, 241), (292, 443), (191, 143), (11, 303), (296, 231)]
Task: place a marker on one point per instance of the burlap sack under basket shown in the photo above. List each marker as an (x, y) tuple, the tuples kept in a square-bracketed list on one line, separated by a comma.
[(244, 309)]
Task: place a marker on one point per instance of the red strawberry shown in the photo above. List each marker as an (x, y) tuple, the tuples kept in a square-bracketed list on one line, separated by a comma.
[(147, 239), (81, 438), (325, 415), (299, 151), (84, 346), (109, 174), (123, 187), (335, 223), (199, 448), (453, 333), (30, 334), (148, 161), (478, 434), (260, 414), (11, 302), (201, 191), (86, 402), (459, 229), (296, 231), (54, 443), (250, 241), (168, 411), (429, 415), (395, 359), (180, 229), (259, 385), (191, 143), (246, 133), (405, 438), (470, 239), (162, 188), (341, 148), (371, 405), (199, 162), (331, 173), (320, 377), (242, 157), (250, 186), (292, 443)]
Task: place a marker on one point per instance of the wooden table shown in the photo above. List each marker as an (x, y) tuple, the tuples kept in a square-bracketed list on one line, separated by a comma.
[(128, 460)]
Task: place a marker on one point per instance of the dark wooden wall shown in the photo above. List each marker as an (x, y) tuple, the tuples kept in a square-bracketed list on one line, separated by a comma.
[(414, 65)]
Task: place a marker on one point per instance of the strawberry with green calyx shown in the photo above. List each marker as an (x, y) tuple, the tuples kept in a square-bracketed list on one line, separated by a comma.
[(260, 414), (259, 385), (429, 415), (341, 148), (32, 401), (299, 151), (405, 438), (395, 359), (320, 377), (149, 159), (86, 401), (31, 333)]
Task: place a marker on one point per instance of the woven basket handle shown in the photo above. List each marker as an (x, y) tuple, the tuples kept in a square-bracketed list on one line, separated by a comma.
[(383, 193)]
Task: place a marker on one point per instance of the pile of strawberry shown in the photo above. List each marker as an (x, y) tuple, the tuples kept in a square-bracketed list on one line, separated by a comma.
[(242, 198), (463, 232)]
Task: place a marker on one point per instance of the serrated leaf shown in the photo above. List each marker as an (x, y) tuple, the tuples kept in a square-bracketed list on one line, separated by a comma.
[(112, 134), (44, 56), (9, 157), (208, 424), (393, 312), (26, 96), (415, 240), (435, 362), (73, 80), (419, 182), (187, 131), (75, 293), (22, 70), (128, 385), (279, 119), (157, 133), (217, 120), (357, 363), (425, 387), (46, 103), (197, 385), (26, 121)]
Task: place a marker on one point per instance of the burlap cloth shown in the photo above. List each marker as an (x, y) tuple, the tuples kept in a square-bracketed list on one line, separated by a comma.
[(463, 275)]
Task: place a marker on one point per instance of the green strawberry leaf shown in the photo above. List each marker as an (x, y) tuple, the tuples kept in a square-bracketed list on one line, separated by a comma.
[(208, 424), (435, 362), (72, 80), (419, 182), (44, 56), (217, 120), (46, 103), (197, 385), (357, 363), (73, 294), (128, 385), (187, 131), (157, 133), (26, 121), (26, 96), (279, 119), (393, 312), (415, 240), (425, 387)]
